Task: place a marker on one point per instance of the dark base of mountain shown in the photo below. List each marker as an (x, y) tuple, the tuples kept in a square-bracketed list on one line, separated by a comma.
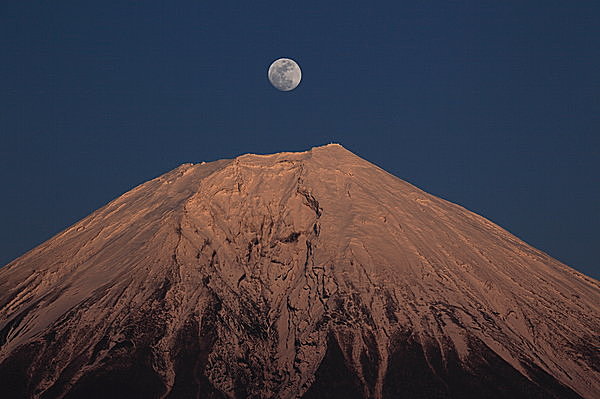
[(415, 371)]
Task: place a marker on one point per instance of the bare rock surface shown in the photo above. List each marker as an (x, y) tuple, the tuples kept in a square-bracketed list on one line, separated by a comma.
[(312, 274)]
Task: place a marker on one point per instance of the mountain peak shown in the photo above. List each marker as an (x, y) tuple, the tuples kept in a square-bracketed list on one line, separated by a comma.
[(330, 146), (332, 150)]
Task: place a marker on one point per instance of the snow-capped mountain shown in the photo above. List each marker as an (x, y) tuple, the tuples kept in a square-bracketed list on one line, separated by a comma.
[(293, 275)]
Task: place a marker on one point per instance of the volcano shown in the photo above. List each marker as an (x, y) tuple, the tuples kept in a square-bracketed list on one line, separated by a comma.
[(294, 275)]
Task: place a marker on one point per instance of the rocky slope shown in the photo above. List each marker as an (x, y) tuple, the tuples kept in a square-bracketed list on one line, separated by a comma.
[(313, 275)]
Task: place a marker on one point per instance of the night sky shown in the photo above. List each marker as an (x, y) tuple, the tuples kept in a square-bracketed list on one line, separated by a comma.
[(494, 105)]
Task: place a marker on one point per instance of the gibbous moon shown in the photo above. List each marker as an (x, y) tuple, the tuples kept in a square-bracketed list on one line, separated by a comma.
[(285, 74)]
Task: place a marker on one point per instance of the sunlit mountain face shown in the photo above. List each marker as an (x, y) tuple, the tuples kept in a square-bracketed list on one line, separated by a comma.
[(293, 275)]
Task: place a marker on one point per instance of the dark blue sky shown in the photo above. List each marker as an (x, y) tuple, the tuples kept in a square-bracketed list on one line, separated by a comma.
[(494, 105)]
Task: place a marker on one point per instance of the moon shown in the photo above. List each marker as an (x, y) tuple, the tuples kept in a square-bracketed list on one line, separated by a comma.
[(285, 74)]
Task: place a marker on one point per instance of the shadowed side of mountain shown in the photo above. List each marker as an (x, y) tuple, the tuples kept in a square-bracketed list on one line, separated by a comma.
[(422, 371), (334, 378), (415, 371)]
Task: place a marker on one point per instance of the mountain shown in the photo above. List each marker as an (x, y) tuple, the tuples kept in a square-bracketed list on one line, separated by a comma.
[(294, 275)]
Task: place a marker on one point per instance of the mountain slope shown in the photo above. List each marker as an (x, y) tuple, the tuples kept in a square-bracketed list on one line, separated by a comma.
[(312, 274)]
